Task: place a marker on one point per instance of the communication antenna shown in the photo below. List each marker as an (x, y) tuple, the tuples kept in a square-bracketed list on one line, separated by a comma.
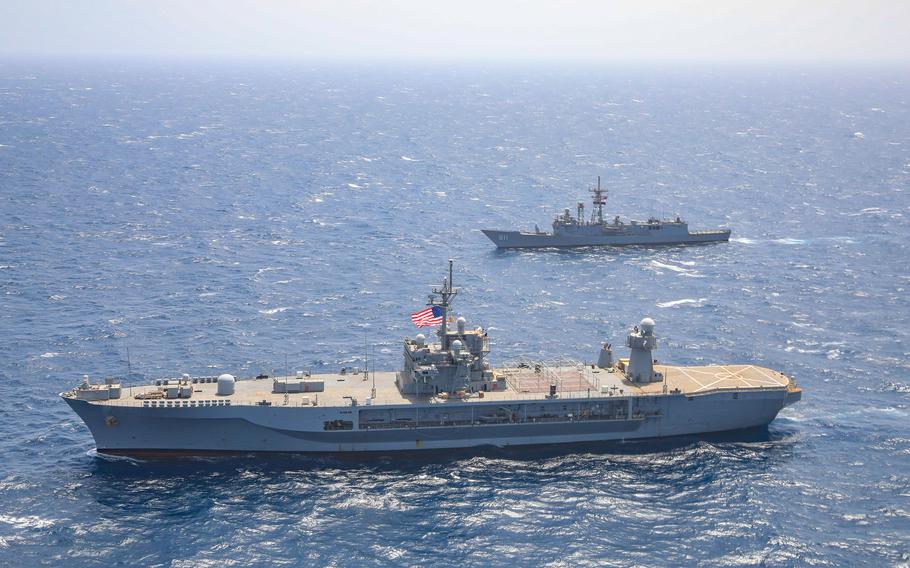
[(446, 293), (599, 200), (129, 364), (373, 361), (366, 356)]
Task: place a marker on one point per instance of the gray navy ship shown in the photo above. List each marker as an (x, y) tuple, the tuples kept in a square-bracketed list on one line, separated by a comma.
[(569, 231), (446, 395)]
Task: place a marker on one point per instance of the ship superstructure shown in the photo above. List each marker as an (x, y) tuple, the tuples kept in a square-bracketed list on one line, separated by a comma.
[(454, 365), (576, 231), (446, 395)]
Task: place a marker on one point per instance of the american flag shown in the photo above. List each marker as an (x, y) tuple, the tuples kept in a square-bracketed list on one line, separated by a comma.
[(431, 315)]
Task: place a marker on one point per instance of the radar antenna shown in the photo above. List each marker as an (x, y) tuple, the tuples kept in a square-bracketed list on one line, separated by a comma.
[(600, 199), (446, 293), (373, 361)]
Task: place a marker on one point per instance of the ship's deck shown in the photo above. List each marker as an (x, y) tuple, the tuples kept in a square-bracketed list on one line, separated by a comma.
[(524, 383)]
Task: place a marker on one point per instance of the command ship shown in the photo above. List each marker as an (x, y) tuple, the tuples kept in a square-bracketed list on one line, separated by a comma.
[(446, 395)]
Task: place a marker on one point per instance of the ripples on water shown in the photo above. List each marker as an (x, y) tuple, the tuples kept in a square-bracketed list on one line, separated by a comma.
[(223, 219)]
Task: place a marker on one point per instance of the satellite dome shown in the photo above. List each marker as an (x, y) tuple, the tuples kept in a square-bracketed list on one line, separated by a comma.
[(647, 325), (420, 339), (461, 323), (456, 345), (225, 385)]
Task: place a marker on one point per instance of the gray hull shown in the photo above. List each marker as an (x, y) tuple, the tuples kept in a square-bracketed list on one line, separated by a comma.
[(141, 430), (518, 239)]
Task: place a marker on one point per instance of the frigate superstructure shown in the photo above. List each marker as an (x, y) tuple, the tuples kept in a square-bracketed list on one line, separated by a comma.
[(446, 395), (576, 231)]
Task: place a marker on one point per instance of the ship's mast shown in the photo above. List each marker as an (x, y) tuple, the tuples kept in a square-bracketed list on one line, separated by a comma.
[(446, 293), (600, 199), (373, 361)]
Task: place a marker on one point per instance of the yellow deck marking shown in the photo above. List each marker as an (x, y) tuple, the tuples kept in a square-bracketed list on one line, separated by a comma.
[(690, 377)]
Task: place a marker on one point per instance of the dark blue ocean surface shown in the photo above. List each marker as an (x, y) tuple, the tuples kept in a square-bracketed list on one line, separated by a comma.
[(222, 218)]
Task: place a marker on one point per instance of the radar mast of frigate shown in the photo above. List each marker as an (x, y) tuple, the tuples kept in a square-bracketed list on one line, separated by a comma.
[(569, 231), (600, 199)]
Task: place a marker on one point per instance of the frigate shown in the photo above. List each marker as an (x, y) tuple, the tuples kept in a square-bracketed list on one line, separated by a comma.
[(446, 395), (575, 231)]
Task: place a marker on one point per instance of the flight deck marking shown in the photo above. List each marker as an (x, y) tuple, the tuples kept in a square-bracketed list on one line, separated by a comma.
[(721, 376), (751, 382), (759, 380), (690, 377), (709, 385), (769, 377)]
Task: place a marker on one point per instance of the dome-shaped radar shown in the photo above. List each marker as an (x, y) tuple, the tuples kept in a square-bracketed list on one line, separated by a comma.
[(420, 339), (456, 346), (225, 385), (460, 322), (647, 325)]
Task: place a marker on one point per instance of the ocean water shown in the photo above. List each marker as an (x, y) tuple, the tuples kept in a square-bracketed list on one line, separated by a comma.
[(226, 218)]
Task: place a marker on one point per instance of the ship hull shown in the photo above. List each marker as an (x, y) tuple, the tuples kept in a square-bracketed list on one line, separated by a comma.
[(132, 430), (518, 239)]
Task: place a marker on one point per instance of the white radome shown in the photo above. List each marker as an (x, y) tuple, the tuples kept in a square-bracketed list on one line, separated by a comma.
[(226, 385), (647, 325)]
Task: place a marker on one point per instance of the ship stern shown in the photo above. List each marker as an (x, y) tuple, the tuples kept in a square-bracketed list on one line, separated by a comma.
[(794, 395)]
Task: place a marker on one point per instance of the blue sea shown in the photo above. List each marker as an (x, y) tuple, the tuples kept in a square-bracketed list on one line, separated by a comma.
[(162, 218)]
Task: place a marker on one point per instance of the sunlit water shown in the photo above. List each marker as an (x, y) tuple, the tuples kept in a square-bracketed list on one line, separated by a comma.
[(213, 219)]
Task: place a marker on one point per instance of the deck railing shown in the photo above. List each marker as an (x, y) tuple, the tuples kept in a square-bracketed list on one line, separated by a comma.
[(295, 402)]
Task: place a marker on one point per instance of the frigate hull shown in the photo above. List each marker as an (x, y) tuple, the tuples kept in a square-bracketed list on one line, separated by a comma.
[(576, 231), (519, 239), (137, 430)]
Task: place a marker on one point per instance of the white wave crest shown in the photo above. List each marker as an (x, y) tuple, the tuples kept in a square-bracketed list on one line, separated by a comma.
[(273, 311), (669, 266), (29, 522), (673, 303)]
